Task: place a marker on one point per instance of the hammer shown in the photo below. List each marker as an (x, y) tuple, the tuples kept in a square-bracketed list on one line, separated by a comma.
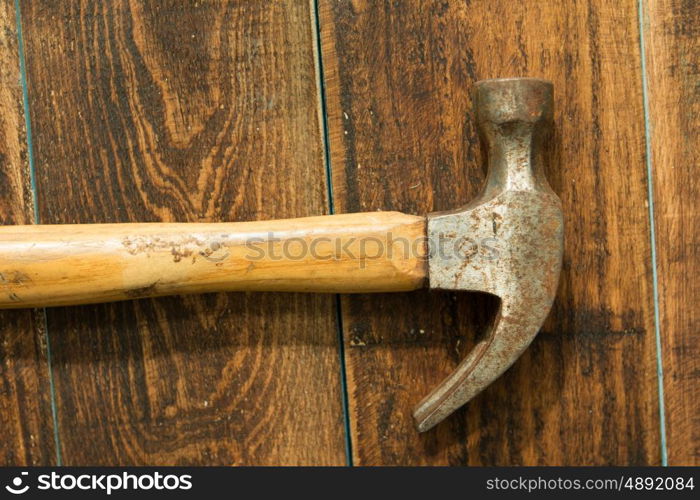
[(508, 242)]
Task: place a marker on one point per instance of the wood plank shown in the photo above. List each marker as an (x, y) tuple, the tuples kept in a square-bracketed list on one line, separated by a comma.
[(25, 395), (672, 36), (398, 77), (172, 111)]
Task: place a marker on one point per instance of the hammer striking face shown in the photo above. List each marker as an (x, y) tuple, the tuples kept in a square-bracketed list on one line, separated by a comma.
[(507, 242)]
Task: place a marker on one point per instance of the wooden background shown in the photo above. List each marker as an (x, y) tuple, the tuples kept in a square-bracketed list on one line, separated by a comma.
[(241, 110)]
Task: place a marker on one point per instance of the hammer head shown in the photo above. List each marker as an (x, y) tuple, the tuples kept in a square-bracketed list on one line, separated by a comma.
[(507, 242)]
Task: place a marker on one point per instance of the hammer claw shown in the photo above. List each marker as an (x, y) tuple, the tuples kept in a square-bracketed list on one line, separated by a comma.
[(488, 360)]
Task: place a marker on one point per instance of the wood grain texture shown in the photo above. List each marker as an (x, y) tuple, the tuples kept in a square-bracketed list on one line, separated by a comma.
[(68, 264), (180, 111), (672, 36), (25, 396), (398, 77)]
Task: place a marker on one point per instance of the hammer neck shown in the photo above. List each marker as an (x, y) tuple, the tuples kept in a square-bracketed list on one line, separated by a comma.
[(514, 157)]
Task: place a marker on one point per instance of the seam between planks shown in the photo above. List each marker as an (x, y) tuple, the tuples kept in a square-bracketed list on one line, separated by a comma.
[(35, 210), (325, 137), (652, 235)]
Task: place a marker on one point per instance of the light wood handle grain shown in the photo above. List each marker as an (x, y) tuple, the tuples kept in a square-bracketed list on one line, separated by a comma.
[(53, 265)]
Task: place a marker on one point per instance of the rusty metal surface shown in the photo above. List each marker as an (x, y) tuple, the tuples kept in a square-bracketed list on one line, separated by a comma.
[(508, 242)]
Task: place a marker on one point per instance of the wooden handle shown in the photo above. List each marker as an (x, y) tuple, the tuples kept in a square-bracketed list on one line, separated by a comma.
[(53, 265)]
